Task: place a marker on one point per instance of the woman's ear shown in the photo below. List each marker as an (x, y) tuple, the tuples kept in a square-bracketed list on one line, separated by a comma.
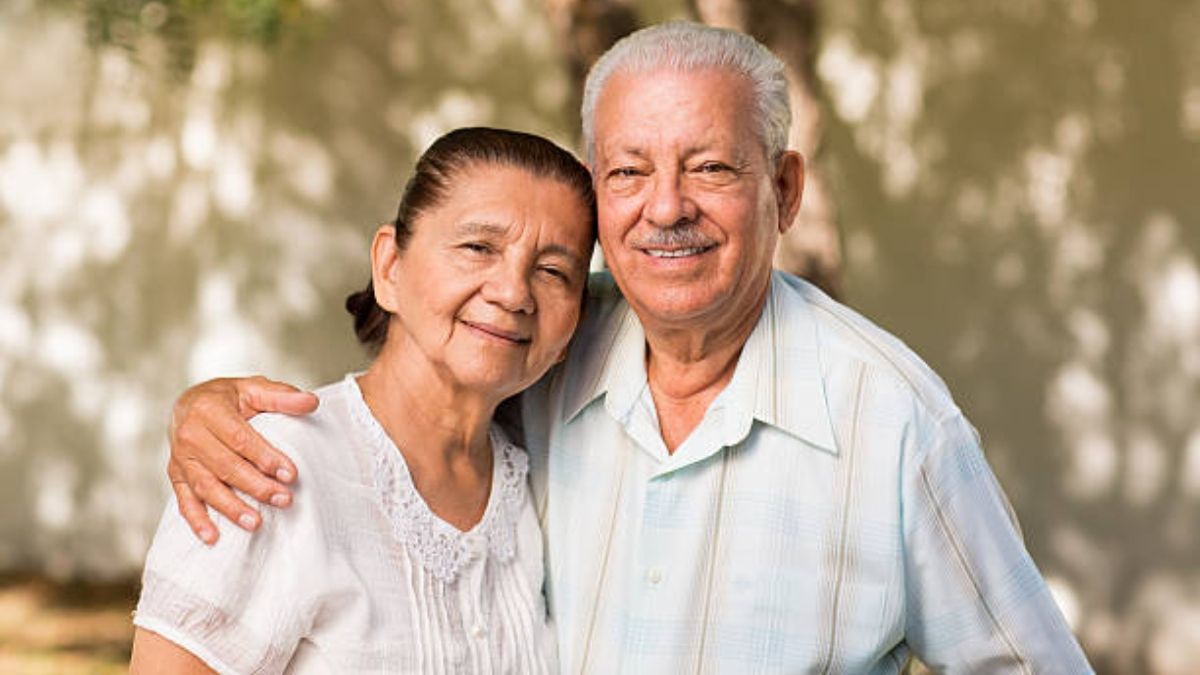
[(385, 267), (789, 187)]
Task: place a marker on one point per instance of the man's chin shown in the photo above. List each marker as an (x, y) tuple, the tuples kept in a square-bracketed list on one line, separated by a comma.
[(675, 304)]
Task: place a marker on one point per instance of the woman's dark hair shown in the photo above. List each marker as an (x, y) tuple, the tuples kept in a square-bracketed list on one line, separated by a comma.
[(446, 159)]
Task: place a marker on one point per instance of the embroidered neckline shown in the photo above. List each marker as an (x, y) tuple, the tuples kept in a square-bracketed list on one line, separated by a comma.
[(442, 549)]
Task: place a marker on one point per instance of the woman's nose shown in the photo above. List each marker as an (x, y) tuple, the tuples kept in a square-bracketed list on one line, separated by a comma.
[(509, 289)]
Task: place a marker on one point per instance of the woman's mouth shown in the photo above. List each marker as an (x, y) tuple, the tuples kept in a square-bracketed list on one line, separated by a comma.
[(497, 332)]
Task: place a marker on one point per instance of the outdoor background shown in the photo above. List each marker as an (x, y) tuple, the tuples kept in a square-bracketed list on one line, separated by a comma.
[(187, 189)]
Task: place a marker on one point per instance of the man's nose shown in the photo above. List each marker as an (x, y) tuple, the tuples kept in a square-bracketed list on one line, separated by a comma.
[(508, 287), (668, 202)]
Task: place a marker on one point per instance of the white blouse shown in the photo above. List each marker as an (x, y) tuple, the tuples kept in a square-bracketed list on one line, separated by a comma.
[(358, 575)]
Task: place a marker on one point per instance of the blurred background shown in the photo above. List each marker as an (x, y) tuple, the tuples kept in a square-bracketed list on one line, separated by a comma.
[(188, 187)]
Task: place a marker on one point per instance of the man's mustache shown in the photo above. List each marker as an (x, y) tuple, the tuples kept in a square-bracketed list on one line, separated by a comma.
[(684, 234)]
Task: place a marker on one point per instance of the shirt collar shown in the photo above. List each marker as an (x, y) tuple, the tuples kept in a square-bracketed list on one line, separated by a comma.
[(777, 380), (788, 387), (610, 358)]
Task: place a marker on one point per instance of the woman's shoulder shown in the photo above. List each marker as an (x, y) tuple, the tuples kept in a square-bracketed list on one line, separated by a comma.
[(319, 439)]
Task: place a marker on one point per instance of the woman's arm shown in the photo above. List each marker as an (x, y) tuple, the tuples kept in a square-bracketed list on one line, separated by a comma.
[(153, 653)]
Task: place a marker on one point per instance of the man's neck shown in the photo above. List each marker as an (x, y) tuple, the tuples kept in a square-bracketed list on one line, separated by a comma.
[(688, 367)]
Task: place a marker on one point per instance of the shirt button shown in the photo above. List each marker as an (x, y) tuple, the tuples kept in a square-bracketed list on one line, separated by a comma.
[(474, 545), (478, 631), (654, 575)]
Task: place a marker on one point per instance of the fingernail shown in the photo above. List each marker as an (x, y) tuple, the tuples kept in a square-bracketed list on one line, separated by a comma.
[(246, 521), (206, 535), (279, 499), (283, 475)]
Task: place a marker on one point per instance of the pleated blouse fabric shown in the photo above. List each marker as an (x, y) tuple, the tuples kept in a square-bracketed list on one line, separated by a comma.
[(358, 576)]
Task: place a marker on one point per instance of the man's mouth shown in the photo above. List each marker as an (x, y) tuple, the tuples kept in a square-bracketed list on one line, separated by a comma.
[(675, 252), (498, 332)]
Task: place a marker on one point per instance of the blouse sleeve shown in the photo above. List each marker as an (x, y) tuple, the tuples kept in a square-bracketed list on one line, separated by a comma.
[(240, 605)]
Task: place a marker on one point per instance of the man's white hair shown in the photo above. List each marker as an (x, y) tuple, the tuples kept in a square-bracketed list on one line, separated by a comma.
[(685, 46)]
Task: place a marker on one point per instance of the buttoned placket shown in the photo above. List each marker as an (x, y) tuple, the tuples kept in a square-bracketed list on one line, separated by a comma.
[(471, 596)]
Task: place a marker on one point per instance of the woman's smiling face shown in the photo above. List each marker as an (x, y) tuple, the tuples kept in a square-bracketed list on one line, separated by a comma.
[(488, 288)]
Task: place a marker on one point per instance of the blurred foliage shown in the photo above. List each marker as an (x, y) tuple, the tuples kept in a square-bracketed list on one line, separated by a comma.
[(181, 23), (1014, 183)]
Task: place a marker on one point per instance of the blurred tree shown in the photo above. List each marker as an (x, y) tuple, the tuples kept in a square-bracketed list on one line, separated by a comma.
[(122, 23)]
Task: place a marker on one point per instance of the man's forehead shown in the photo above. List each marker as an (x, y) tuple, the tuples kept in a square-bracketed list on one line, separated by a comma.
[(648, 79), (638, 97)]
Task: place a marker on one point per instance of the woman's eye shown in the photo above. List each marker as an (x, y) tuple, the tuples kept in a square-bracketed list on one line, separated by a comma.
[(554, 273), (476, 247)]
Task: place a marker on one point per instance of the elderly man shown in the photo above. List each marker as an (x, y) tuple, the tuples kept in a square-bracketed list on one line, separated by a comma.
[(735, 472)]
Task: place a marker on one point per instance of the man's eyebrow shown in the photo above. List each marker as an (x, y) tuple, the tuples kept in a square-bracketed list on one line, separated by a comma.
[(734, 154), (627, 151)]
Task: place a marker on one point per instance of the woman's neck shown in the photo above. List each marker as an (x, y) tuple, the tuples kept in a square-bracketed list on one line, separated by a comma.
[(440, 430), (423, 414)]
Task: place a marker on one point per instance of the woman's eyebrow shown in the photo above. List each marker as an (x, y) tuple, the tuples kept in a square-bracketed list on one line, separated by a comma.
[(480, 228), (559, 249)]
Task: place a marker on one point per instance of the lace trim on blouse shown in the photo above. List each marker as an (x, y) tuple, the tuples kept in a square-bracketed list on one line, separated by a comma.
[(442, 549)]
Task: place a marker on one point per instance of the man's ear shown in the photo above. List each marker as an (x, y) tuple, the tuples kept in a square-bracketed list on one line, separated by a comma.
[(789, 187), (385, 267)]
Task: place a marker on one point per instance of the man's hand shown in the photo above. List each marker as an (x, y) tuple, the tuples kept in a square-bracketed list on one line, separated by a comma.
[(214, 449)]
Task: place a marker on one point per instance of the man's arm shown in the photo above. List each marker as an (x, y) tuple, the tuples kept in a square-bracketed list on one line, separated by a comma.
[(976, 601), (214, 449)]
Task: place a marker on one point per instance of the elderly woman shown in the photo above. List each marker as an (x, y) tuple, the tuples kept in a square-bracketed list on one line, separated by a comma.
[(413, 545)]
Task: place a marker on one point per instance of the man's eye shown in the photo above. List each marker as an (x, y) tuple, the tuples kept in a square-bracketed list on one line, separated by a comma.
[(713, 167)]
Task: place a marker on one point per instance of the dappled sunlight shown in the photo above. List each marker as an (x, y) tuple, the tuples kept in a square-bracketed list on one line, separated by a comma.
[(851, 77), (165, 220), (228, 343), (1189, 475), (1017, 187), (1080, 403), (1064, 594), (306, 165), (454, 108), (1014, 184)]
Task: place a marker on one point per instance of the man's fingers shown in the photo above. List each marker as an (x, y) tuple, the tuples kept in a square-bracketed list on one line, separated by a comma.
[(209, 489), (236, 434), (195, 514), (191, 508), (227, 453), (258, 394)]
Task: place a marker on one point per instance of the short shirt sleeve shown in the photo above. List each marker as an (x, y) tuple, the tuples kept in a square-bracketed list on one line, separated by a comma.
[(241, 605)]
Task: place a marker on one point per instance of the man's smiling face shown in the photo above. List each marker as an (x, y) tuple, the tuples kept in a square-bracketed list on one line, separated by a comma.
[(689, 211)]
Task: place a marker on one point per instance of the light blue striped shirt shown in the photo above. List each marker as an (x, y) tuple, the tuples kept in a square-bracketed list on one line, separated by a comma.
[(832, 511)]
